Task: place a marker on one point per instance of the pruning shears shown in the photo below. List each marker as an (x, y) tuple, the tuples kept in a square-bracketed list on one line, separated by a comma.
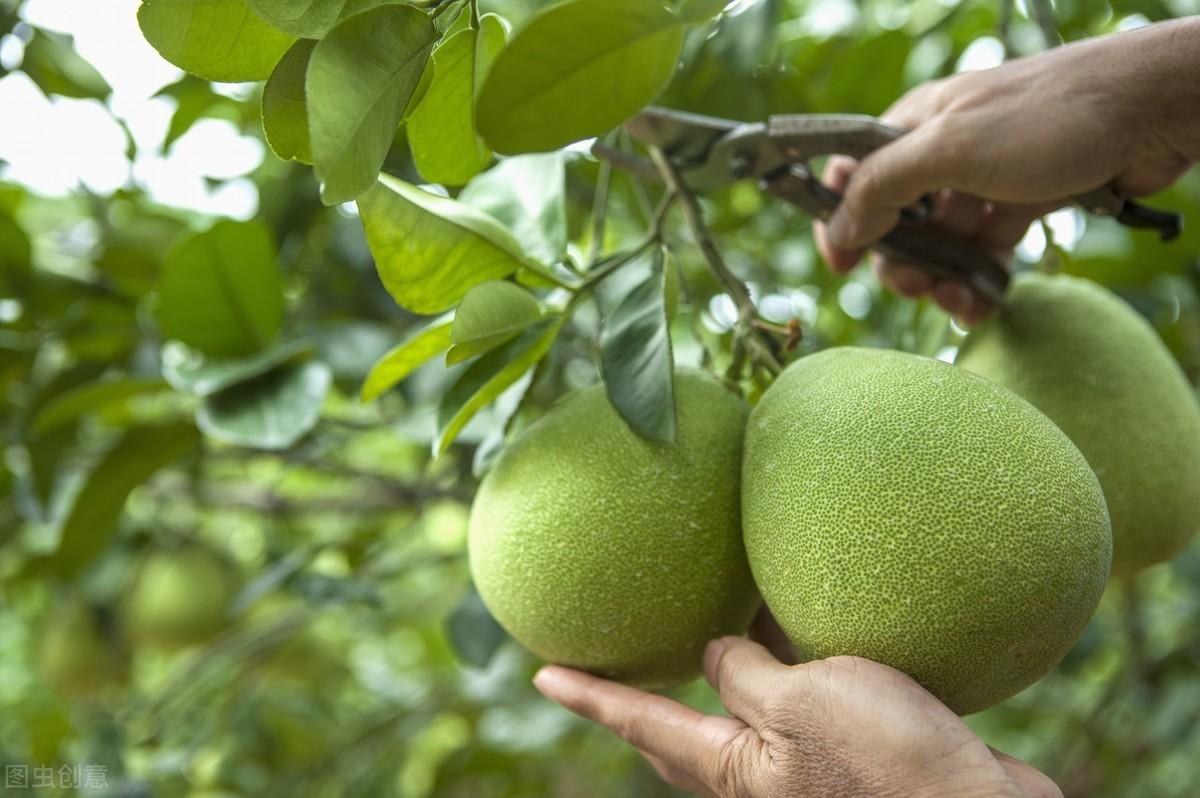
[(710, 152)]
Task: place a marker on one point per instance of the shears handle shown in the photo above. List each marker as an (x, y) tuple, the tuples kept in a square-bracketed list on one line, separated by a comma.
[(935, 251)]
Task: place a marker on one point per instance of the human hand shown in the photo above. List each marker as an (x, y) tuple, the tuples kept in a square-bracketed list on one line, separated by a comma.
[(999, 148), (833, 728)]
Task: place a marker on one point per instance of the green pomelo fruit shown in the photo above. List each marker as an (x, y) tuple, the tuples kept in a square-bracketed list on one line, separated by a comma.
[(79, 651), (179, 597), (1087, 360), (903, 510), (598, 549)]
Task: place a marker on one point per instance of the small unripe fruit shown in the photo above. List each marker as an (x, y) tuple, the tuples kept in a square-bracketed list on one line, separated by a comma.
[(179, 597), (79, 651)]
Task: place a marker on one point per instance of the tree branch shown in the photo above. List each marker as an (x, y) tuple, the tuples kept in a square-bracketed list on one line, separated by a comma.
[(756, 345)]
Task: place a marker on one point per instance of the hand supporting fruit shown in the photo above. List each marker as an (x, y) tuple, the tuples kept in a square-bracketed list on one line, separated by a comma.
[(834, 728), (1001, 147)]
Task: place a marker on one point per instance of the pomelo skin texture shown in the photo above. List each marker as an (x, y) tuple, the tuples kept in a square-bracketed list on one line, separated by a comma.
[(1086, 359), (903, 510), (600, 550)]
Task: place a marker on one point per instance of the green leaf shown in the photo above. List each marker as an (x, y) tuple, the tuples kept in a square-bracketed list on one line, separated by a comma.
[(221, 291), (527, 195), (441, 131), (423, 345), (284, 108), (473, 632), (131, 462), (306, 18), (360, 80), (310, 19), (699, 11), (195, 99), (91, 397), (430, 250), (217, 40), (490, 314), (189, 372), (635, 356), (273, 411), (576, 70), (491, 376), (16, 255), (51, 61)]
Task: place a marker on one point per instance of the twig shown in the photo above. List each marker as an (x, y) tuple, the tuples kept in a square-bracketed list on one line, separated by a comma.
[(324, 466), (641, 196), (1043, 15), (382, 500), (756, 345), (599, 212), (653, 236), (1004, 24)]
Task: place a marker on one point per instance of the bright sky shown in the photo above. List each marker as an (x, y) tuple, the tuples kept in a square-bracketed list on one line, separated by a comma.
[(54, 145)]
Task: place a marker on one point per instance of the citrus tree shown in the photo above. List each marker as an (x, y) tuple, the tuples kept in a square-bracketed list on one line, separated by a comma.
[(239, 453)]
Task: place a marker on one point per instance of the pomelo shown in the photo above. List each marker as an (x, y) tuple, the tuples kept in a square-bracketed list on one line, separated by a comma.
[(598, 549), (903, 510), (179, 597), (80, 652), (1087, 360)]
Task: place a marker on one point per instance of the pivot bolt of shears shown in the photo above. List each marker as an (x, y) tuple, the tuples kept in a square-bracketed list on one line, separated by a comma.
[(741, 164)]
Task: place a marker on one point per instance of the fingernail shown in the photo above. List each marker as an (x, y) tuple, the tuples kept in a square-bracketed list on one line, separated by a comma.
[(547, 680), (712, 656), (715, 648)]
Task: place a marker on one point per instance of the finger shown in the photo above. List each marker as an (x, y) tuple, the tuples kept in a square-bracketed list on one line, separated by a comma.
[(980, 310), (745, 675), (678, 735), (1032, 782), (886, 181), (1007, 224), (955, 298), (674, 776), (836, 176), (901, 278), (917, 106), (964, 215)]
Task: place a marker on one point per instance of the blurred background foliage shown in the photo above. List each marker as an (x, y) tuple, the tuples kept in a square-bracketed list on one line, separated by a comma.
[(204, 617)]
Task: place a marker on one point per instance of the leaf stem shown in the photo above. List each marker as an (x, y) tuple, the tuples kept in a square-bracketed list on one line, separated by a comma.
[(756, 344), (653, 236), (546, 273)]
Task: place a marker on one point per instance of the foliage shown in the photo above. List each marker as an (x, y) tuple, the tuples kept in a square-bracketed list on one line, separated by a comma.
[(169, 379)]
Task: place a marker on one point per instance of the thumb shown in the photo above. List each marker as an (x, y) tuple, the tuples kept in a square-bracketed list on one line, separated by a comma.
[(746, 676), (886, 181), (1032, 782)]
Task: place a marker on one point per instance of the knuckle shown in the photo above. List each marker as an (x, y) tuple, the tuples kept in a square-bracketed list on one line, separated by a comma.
[(729, 669), (733, 777), (865, 184), (630, 729)]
